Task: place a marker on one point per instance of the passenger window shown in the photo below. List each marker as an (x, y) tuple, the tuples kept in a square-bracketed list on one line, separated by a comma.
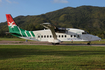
[(47, 36), (62, 36), (44, 36), (78, 36), (71, 36), (59, 36), (38, 36), (65, 36), (74, 35), (50, 36)]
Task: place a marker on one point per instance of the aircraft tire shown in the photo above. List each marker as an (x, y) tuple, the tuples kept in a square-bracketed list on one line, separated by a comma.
[(55, 43), (88, 43)]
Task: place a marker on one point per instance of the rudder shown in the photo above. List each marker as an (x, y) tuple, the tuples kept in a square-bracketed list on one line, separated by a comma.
[(10, 20), (13, 28)]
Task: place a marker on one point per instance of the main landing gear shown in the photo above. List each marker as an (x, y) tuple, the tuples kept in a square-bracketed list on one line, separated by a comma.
[(89, 43), (55, 43)]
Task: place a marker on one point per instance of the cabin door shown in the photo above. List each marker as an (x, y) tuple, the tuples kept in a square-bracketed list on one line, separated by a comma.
[(39, 37)]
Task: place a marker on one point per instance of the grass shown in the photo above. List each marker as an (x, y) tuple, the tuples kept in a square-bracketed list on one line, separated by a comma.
[(33, 57)]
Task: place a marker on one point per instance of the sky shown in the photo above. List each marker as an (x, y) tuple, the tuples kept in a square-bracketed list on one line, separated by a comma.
[(38, 7)]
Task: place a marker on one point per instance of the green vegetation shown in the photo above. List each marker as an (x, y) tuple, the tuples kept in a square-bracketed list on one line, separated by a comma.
[(89, 18), (33, 57)]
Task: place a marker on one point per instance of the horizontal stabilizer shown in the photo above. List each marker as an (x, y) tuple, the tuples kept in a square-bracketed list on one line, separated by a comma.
[(7, 33)]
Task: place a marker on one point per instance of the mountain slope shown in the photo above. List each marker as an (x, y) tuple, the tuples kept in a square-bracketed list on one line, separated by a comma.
[(89, 18)]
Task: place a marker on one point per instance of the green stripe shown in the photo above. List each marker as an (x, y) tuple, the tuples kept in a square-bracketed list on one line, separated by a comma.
[(15, 29), (32, 34), (23, 33), (28, 33), (20, 32)]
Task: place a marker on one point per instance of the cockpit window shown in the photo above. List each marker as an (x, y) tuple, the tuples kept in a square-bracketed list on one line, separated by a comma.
[(84, 32), (60, 30)]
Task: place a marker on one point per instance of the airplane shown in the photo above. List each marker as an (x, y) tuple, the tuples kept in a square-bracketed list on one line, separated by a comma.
[(52, 34)]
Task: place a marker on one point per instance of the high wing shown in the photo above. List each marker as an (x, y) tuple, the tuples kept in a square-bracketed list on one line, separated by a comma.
[(51, 27)]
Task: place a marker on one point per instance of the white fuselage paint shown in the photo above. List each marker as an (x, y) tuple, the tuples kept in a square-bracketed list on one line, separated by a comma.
[(20, 31), (70, 35), (30, 34), (26, 33)]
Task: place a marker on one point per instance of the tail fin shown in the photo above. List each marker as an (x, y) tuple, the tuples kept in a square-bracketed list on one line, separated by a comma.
[(11, 24), (10, 20), (15, 30)]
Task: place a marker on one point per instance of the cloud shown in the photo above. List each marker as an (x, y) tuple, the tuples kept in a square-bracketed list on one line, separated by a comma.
[(11, 1), (60, 1), (15, 2), (8, 1), (0, 0)]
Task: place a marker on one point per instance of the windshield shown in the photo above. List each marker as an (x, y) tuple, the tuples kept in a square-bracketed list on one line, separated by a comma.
[(84, 32), (60, 30)]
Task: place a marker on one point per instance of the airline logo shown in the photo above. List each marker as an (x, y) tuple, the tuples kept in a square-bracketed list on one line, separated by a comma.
[(12, 24)]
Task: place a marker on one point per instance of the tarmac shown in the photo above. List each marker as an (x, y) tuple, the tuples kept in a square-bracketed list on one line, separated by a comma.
[(43, 43)]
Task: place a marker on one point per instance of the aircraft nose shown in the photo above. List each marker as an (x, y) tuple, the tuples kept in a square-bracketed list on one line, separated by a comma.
[(96, 38), (99, 38)]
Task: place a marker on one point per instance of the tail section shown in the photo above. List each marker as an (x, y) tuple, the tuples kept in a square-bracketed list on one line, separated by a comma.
[(10, 20), (15, 30), (11, 24)]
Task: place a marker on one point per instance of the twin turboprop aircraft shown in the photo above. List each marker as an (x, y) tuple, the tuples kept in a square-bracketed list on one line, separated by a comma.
[(52, 34)]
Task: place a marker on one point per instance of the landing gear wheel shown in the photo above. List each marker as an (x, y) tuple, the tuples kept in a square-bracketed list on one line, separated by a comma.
[(55, 43), (89, 43)]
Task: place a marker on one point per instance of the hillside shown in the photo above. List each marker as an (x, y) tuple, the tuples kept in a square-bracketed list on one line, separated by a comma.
[(89, 18)]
